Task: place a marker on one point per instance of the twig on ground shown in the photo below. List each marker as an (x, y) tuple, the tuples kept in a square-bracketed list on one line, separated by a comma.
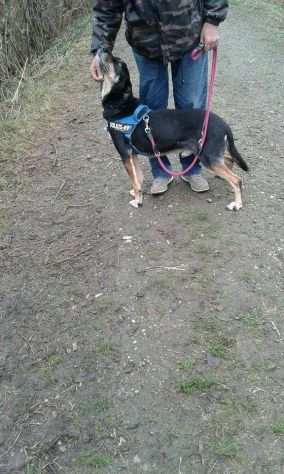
[(275, 328), (67, 259), (179, 468), (74, 206), (12, 445), (179, 268), (212, 468), (59, 190), (200, 449)]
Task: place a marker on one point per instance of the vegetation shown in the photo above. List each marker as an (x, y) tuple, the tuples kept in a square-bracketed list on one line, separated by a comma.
[(26, 29)]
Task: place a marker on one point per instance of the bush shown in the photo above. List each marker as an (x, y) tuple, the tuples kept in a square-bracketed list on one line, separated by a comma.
[(28, 26)]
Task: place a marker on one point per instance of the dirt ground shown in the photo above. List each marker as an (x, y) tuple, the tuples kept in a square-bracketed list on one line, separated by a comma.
[(150, 340)]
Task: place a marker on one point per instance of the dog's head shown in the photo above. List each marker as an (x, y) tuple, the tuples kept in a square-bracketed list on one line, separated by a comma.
[(116, 89), (116, 79)]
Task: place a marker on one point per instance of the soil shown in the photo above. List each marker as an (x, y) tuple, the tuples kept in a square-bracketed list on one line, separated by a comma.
[(147, 340)]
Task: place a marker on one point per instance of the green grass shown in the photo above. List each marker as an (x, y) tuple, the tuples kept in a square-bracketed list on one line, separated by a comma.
[(196, 384), (201, 216), (220, 346), (93, 460), (185, 365), (104, 347), (226, 448), (278, 428), (31, 469), (93, 407), (217, 350)]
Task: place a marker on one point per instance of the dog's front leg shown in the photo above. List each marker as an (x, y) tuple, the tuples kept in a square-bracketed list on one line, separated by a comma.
[(136, 177), (131, 165)]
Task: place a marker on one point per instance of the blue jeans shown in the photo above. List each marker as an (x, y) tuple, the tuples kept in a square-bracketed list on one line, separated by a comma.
[(189, 88)]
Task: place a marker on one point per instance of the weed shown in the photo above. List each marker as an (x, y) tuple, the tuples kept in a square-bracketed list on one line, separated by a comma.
[(186, 365), (31, 469), (226, 448), (217, 350), (220, 346), (247, 278), (104, 347), (53, 360), (201, 216), (93, 460), (251, 319), (93, 407), (278, 428), (197, 384)]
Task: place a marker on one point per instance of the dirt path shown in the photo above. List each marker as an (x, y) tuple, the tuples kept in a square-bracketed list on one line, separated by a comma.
[(161, 352)]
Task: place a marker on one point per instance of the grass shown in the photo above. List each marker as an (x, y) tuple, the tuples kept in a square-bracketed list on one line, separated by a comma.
[(201, 216), (251, 319), (220, 346), (185, 365), (217, 350), (104, 347), (278, 428), (196, 384), (46, 370), (93, 407), (93, 460), (226, 448), (31, 469), (40, 94)]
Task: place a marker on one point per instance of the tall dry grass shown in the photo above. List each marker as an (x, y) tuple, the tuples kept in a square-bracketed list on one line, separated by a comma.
[(28, 26)]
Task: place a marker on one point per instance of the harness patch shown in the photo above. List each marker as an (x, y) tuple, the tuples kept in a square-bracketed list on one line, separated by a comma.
[(120, 126), (127, 125)]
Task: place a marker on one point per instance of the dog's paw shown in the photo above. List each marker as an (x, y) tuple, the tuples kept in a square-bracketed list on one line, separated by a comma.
[(135, 203), (138, 200), (234, 206)]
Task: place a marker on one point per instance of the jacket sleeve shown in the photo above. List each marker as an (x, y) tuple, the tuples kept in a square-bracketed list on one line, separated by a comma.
[(215, 11), (107, 19)]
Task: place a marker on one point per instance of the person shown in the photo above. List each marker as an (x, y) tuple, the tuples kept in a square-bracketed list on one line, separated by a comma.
[(163, 33)]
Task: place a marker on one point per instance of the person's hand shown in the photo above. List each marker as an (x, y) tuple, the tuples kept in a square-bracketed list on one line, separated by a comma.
[(95, 69), (209, 36)]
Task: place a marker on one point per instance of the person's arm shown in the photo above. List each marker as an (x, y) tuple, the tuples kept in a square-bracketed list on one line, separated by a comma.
[(107, 19), (214, 12)]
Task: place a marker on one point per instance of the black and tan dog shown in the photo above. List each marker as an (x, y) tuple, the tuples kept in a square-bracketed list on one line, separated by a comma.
[(173, 131)]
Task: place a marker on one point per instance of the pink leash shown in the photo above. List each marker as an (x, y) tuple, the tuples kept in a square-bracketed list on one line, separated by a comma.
[(196, 53)]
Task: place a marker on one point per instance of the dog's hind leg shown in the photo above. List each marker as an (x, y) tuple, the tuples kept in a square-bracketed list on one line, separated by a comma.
[(228, 160), (222, 171), (136, 177)]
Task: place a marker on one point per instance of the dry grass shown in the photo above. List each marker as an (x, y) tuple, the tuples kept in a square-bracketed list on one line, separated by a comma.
[(26, 30), (37, 92)]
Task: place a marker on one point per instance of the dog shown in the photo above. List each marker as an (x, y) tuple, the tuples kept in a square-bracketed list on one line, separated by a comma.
[(175, 131)]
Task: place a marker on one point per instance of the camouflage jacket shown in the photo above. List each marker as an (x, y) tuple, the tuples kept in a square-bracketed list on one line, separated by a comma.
[(157, 29)]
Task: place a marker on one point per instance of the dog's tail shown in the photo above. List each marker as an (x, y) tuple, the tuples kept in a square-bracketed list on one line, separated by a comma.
[(234, 152)]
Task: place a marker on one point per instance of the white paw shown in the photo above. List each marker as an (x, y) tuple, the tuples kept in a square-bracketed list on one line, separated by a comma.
[(135, 203), (234, 206)]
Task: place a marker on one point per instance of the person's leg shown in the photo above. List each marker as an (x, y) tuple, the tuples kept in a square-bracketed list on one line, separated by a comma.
[(190, 80), (154, 92)]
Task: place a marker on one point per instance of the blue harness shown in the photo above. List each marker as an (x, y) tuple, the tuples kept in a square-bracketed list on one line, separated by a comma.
[(127, 125)]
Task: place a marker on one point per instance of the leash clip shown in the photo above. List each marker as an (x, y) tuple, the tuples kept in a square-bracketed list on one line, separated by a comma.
[(197, 52), (146, 119)]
